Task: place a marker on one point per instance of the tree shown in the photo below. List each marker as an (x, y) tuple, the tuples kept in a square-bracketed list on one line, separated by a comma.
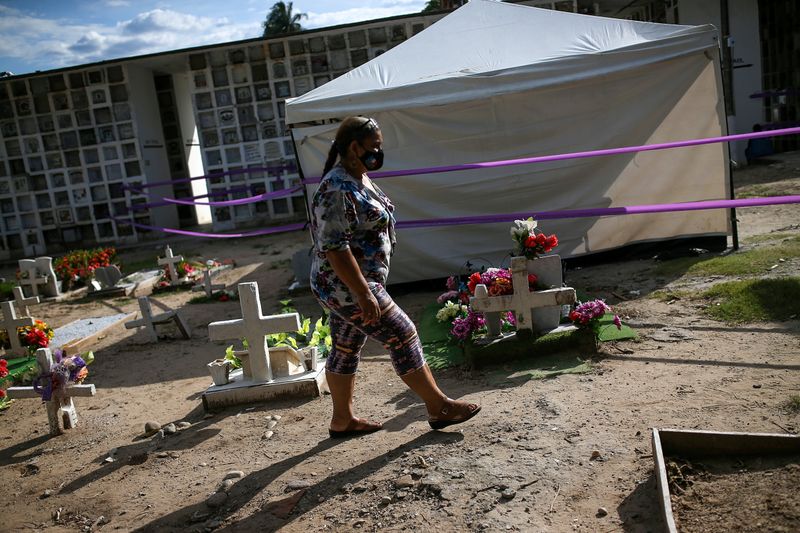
[(432, 5), (281, 20)]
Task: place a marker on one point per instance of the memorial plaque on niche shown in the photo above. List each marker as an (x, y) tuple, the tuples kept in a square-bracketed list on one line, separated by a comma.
[(223, 97), (227, 117), (203, 101)]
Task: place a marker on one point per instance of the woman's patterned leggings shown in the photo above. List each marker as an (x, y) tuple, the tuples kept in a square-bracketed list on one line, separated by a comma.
[(394, 329)]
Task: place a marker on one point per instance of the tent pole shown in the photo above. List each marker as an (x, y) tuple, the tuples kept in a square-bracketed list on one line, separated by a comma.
[(727, 73), (300, 174)]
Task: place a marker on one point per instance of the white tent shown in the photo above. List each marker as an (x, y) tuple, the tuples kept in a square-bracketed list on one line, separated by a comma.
[(496, 81)]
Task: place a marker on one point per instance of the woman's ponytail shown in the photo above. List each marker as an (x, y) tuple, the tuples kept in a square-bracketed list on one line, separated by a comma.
[(332, 154)]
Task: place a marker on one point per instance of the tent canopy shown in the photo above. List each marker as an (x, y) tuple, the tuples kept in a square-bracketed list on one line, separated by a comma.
[(494, 81), (486, 48)]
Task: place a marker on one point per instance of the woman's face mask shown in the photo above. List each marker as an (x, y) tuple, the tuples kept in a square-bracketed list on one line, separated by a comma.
[(372, 159)]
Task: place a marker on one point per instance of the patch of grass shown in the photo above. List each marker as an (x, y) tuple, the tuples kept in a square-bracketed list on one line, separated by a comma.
[(754, 300), (793, 403), (767, 237), (668, 295), (283, 263), (758, 191), (740, 263), (7, 289), (135, 265)]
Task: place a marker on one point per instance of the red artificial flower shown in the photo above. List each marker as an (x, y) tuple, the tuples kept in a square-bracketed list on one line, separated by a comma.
[(532, 279), (473, 282), (541, 238), (2, 394), (551, 241), (37, 337), (574, 315), (223, 297), (530, 242)]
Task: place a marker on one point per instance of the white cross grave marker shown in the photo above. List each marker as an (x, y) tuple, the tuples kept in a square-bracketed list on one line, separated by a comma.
[(206, 285), (32, 279), (171, 260), (10, 323), (22, 302), (61, 412), (254, 327), (149, 321), (522, 302)]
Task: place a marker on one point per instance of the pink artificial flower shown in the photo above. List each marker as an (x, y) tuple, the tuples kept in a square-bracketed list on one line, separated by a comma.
[(617, 322)]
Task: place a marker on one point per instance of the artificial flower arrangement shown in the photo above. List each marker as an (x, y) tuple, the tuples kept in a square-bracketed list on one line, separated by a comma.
[(187, 272), (588, 315), (64, 372), (77, 267), (3, 374), (31, 337), (465, 323), (528, 243), (216, 296)]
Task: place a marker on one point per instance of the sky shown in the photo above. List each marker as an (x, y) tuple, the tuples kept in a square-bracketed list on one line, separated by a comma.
[(47, 34)]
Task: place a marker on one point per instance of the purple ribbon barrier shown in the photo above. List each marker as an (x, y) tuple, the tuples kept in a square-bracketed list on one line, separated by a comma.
[(602, 211), (238, 201), (512, 162), (219, 174), (171, 201), (254, 233), (488, 219)]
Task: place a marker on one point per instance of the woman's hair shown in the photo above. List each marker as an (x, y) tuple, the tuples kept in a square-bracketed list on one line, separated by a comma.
[(351, 129)]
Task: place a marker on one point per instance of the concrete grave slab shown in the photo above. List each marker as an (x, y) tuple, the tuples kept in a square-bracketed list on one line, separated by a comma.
[(79, 335)]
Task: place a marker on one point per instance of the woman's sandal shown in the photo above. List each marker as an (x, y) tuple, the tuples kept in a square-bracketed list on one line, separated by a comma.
[(443, 423), (367, 427)]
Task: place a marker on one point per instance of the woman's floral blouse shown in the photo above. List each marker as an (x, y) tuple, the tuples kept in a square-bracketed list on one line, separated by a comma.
[(346, 214)]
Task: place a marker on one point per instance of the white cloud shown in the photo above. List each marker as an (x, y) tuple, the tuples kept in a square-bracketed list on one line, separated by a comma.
[(51, 43), (358, 14)]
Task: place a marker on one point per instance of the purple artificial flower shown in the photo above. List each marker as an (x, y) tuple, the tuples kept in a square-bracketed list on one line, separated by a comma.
[(452, 284), (617, 322), (461, 329), (449, 295), (511, 319)]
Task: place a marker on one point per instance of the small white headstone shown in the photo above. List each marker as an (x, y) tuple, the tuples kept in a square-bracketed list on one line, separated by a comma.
[(254, 327), (523, 302), (108, 276), (149, 322), (22, 302), (30, 276), (10, 323), (171, 261), (206, 285), (61, 412)]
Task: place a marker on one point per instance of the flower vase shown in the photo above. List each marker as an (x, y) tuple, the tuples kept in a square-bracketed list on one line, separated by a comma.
[(220, 370), (547, 270)]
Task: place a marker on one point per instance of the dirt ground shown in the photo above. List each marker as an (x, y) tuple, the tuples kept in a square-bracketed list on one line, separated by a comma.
[(526, 463)]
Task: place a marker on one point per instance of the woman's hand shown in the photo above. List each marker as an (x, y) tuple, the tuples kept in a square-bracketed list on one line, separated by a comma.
[(346, 268), (370, 310)]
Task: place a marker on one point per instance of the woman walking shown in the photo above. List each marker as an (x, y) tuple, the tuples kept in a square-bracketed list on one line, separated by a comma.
[(353, 228)]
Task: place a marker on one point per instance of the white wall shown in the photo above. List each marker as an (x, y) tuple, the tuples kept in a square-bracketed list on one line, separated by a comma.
[(150, 135), (746, 50), (191, 143)]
